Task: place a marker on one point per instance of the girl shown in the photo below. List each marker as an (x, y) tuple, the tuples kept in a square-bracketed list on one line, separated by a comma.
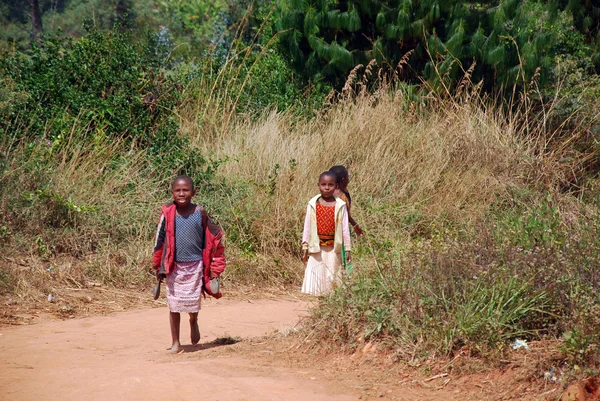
[(325, 231), (342, 180), (188, 251)]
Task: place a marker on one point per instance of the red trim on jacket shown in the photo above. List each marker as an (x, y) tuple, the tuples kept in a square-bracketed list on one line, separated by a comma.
[(164, 254), (213, 255)]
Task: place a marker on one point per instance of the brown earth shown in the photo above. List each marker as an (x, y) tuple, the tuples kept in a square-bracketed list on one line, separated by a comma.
[(249, 351)]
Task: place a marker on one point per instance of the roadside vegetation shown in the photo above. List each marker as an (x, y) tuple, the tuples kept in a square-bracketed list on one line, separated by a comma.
[(478, 192)]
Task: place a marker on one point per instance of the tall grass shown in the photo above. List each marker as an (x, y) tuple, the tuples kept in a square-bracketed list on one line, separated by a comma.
[(93, 200), (470, 239), (407, 168)]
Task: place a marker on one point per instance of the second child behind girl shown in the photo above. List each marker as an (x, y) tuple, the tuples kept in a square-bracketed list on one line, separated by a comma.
[(342, 180), (326, 229)]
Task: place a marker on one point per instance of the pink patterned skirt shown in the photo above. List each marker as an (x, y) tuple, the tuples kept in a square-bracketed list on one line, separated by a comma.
[(184, 285)]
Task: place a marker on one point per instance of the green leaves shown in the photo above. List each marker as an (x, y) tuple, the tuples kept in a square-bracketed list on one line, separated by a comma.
[(509, 41), (106, 79)]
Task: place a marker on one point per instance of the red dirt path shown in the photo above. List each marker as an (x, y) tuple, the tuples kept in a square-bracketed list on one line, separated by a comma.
[(123, 356)]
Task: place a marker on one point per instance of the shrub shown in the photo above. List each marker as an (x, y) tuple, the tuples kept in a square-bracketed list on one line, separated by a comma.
[(104, 79)]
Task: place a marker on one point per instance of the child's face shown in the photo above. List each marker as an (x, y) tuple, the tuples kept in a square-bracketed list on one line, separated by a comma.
[(182, 192), (345, 181), (327, 186)]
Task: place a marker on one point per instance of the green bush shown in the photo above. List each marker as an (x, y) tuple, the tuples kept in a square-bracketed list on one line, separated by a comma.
[(104, 80)]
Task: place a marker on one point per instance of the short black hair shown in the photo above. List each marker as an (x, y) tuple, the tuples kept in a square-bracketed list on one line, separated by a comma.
[(340, 172), (185, 178), (328, 173)]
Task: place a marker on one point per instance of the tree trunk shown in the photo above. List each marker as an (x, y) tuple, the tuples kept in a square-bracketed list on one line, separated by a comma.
[(123, 13), (36, 20)]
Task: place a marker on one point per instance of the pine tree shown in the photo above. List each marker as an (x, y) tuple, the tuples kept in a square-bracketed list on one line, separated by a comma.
[(509, 40)]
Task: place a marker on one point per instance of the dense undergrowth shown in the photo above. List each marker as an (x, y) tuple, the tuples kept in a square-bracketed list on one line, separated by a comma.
[(481, 219)]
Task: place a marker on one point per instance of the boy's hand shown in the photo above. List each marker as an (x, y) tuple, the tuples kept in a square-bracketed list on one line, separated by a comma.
[(305, 256), (348, 256), (157, 275)]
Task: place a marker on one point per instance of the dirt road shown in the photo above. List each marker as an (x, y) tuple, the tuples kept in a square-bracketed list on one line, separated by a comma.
[(123, 357)]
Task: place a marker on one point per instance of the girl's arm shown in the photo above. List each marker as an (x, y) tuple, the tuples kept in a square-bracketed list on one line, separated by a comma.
[(306, 231), (356, 227), (346, 229), (306, 235), (353, 223)]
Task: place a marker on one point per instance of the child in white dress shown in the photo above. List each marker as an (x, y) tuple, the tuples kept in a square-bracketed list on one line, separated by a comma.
[(326, 229)]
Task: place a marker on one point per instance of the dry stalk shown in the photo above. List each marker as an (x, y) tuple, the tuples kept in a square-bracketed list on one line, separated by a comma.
[(347, 90)]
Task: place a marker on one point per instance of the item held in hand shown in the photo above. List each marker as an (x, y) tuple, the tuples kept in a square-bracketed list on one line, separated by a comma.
[(215, 285), (157, 289)]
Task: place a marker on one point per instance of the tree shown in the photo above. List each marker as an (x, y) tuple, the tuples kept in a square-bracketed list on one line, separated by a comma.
[(123, 12), (27, 15), (36, 19), (509, 41)]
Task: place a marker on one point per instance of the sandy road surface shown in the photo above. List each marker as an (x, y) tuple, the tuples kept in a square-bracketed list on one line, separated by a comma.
[(122, 357)]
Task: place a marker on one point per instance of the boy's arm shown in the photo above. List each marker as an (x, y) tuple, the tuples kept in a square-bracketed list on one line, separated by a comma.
[(159, 241)]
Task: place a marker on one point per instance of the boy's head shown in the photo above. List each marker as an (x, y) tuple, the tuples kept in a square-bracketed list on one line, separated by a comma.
[(182, 190), (186, 178), (341, 175)]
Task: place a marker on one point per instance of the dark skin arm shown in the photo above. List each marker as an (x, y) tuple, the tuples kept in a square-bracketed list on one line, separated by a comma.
[(355, 225), (340, 194)]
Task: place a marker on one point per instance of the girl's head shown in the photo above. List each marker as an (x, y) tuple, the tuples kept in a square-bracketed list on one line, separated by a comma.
[(327, 184), (182, 189), (341, 175)]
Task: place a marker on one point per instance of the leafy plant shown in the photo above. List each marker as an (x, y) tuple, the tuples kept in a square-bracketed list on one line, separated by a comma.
[(534, 226), (505, 43), (496, 312), (105, 80)]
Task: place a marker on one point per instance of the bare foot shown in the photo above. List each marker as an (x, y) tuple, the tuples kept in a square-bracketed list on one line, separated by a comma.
[(195, 336), (175, 349)]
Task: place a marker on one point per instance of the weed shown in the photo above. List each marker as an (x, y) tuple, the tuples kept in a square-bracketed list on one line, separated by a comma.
[(5, 232)]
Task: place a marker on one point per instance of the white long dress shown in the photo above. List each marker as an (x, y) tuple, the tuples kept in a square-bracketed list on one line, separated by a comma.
[(323, 270)]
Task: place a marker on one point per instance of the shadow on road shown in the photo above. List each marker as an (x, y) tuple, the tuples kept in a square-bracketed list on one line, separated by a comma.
[(218, 342)]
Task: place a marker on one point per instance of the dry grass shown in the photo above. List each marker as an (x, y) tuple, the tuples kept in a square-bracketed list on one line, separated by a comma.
[(414, 172), (444, 165), (89, 200)]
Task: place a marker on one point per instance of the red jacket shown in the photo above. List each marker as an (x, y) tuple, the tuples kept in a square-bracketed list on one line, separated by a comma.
[(213, 253)]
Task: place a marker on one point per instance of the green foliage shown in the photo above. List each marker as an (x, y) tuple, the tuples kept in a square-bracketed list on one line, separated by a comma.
[(580, 343), (494, 313), (540, 225), (271, 83), (102, 80), (482, 289), (66, 15), (508, 43), (104, 85), (196, 15)]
